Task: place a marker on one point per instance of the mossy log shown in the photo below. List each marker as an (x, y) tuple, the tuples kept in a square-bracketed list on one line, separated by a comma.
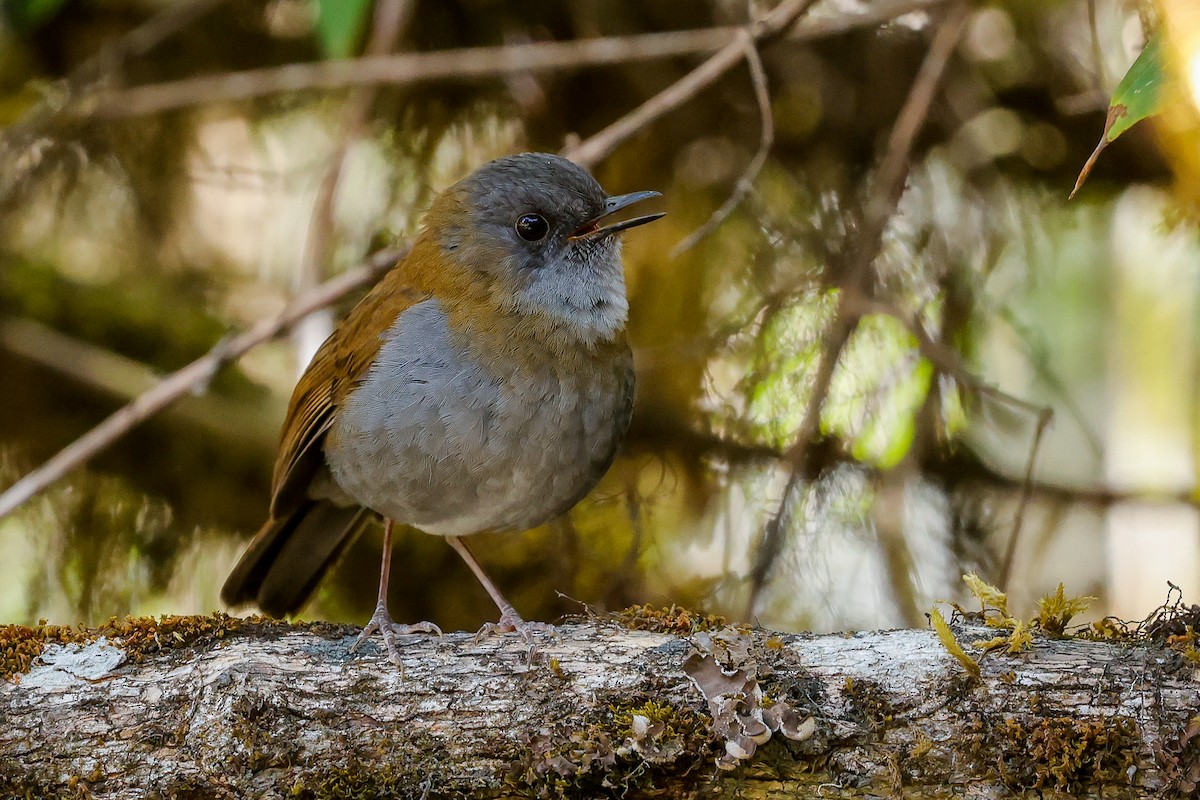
[(219, 707)]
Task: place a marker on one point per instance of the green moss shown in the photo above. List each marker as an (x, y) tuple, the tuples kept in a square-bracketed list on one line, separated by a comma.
[(610, 757), (358, 781), (384, 768), (673, 619), (1056, 753), (18, 782)]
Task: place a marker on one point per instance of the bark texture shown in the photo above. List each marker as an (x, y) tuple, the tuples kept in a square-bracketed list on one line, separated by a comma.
[(249, 710)]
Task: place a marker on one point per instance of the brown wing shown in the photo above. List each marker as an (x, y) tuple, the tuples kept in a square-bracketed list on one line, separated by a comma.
[(303, 537), (337, 368)]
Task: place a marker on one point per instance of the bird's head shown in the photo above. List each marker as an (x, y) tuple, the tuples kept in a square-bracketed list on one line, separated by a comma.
[(536, 234)]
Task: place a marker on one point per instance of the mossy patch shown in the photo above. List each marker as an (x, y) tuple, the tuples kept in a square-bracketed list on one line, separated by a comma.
[(363, 776), (1056, 753), (624, 750), (21, 644), (673, 619), (138, 636), (868, 703), (19, 783)]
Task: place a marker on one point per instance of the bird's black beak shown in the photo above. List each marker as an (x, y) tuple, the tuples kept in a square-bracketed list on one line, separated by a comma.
[(592, 229)]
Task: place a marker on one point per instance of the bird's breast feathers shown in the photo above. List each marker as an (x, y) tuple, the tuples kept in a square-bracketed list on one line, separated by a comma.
[(433, 437)]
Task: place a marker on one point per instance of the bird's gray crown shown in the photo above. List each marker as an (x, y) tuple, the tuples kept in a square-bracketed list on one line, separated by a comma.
[(574, 283), (564, 192)]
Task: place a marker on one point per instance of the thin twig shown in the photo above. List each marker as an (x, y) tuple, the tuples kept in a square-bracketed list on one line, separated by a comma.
[(945, 358), (769, 27), (881, 204), (1100, 78), (388, 23), (458, 64), (19, 142), (185, 380), (404, 68), (758, 77), (1043, 421)]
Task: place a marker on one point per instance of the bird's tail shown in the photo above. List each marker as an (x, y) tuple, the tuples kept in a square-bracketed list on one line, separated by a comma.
[(282, 566)]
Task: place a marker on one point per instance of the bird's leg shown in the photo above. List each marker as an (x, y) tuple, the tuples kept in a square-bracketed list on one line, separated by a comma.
[(510, 620), (382, 621)]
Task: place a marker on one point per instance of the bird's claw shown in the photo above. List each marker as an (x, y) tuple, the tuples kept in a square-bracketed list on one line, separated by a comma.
[(511, 622), (381, 622)]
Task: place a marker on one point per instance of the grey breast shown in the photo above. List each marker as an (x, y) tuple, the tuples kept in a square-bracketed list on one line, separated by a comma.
[(434, 440)]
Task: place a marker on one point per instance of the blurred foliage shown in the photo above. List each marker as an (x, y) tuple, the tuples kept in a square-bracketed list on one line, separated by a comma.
[(25, 15), (152, 237), (340, 25)]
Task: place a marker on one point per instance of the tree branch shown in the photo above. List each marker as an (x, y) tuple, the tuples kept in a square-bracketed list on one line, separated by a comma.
[(457, 64), (885, 193), (188, 379), (220, 707)]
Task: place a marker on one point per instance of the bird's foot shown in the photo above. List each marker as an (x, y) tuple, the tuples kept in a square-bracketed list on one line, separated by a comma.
[(381, 622), (511, 622)]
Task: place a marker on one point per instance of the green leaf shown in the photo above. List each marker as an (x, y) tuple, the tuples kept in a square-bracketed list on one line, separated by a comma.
[(1139, 95), (340, 25), (27, 15)]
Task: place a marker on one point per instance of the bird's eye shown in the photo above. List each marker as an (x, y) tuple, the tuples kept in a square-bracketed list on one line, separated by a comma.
[(532, 227)]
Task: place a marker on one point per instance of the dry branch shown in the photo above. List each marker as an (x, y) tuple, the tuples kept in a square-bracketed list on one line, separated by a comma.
[(276, 710), (885, 193), (188, 379), (771, 26), (458, 64), (762, 95)]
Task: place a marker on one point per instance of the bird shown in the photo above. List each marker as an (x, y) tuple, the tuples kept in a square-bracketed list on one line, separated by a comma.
[(485, 383)]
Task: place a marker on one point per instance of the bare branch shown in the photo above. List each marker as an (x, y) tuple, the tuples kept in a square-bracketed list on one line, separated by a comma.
[(1043, 421), (745, 183), (881, 204), (185, 380), (458, 64), (687, 87)]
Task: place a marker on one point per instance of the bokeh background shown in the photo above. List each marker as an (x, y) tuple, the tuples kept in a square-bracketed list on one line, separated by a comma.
[(132, 243)]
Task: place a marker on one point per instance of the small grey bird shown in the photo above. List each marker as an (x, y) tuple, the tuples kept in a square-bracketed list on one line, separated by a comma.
[(484, 384)]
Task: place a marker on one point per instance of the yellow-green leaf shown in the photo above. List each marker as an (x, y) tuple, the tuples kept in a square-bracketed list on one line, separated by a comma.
[(1139, 95), (951, 644)]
